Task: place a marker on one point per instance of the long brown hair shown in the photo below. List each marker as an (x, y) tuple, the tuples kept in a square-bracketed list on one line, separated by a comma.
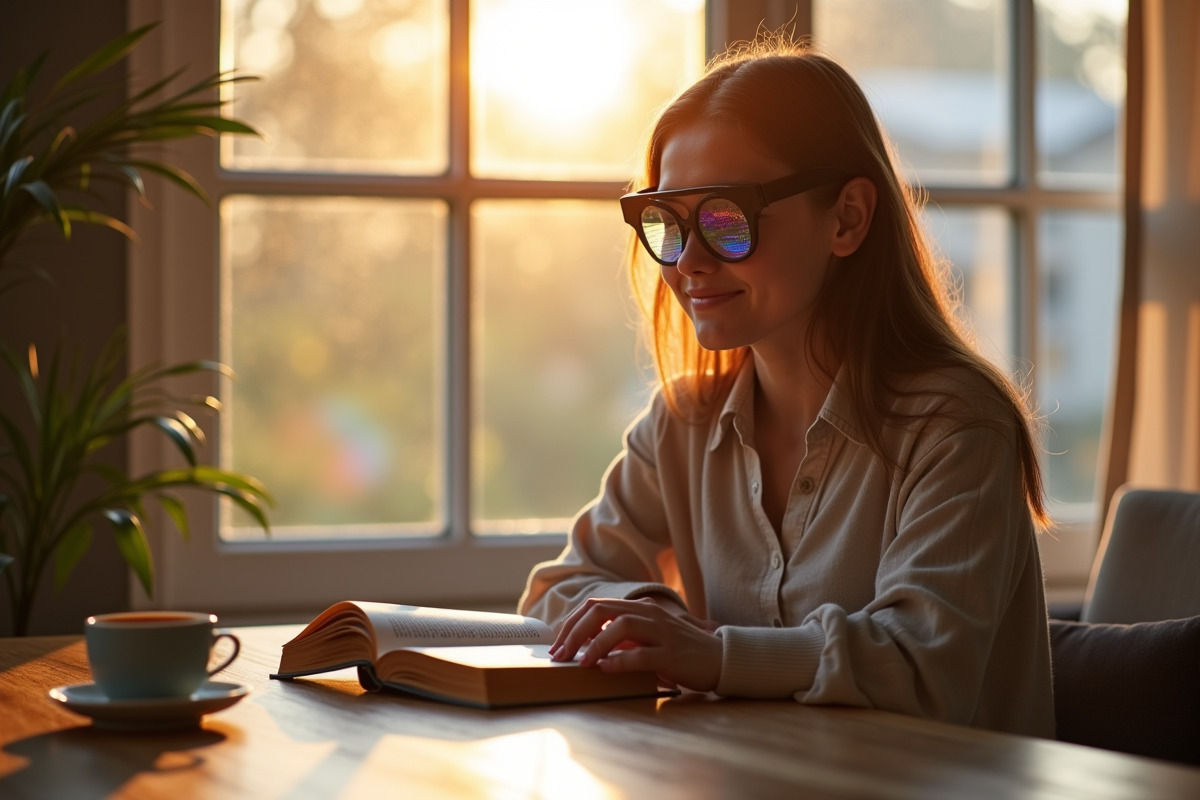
[(886, 313)]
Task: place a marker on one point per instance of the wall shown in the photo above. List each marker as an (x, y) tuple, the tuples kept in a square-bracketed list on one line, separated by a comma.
[(86, 303)]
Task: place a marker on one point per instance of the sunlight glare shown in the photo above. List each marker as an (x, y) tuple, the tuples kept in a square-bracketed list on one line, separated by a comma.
[(529, 764), (403, 45), (564, 63)]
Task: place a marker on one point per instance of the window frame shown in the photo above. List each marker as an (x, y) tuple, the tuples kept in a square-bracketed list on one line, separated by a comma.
[(175, 299), (1068, 550)]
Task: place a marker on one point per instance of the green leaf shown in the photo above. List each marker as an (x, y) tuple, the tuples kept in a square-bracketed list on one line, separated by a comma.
[(208, 123), (135, 179), (13, 177), (178, 434), (62, 157), (81, 214), (192, 426), (200, 365), (48, 200), (106, 56), (11, 120), (178, 513), (155, 88), (65, 135), (245, 483), (25, 378), (73, 546), (132, 544), (248, 503), (175, 175)]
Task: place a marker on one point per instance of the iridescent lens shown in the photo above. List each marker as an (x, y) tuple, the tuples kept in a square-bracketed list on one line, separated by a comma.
[(725, 227), (663, 235)]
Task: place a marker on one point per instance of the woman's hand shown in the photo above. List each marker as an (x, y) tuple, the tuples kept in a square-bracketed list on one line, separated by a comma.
[(643, 634)]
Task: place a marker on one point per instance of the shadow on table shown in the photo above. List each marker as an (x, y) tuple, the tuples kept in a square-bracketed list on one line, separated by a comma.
[(68, 763)]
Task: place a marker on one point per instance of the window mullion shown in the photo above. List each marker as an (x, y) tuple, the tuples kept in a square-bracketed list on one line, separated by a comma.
[(1014, 198), (1024, 97), (458, 327), (1023, 67)]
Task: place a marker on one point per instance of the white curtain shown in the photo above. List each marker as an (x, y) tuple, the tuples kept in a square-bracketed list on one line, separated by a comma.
[(1154, 435)]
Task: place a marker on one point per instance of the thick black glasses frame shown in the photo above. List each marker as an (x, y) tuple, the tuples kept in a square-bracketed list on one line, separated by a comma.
[(751, 198)]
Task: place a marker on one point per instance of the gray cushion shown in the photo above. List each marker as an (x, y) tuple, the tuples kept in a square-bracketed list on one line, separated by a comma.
[(1133, 688), (1148, 563)]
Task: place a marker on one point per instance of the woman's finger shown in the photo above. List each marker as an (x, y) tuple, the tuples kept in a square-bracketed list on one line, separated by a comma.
[(629, 627), (579, 627), (590, 619)]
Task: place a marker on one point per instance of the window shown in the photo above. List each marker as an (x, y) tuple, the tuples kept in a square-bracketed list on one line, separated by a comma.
[(417, 279), (1008, 114), (417, 273)]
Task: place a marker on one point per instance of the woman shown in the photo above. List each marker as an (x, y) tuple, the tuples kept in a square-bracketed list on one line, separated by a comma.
[(832, 496)]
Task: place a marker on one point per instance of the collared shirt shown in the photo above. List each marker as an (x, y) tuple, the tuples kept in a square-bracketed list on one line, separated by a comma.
[(915, 589)]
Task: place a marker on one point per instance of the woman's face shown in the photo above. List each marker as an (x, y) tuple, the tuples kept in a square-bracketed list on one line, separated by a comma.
[(765, 301)]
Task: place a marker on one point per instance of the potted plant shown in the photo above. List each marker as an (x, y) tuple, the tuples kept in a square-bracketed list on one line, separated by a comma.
[(49, 446)]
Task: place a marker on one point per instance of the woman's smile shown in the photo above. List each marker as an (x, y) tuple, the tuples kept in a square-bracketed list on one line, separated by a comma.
[(707, 299)]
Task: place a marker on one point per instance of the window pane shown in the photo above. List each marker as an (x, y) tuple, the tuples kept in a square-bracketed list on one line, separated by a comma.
[(347, 85), (1079, 276), (937, 74), (564, 90), (556, 378), (977, 246), (332, 329), (1080, 91)]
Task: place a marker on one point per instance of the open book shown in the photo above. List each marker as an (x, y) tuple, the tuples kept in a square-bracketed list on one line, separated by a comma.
[(475, 658)]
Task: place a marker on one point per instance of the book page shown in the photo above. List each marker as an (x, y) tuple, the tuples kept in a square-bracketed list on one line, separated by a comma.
[(406, 626)]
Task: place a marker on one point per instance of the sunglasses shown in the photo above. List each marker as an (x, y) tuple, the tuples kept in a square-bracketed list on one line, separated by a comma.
[(726, 216)]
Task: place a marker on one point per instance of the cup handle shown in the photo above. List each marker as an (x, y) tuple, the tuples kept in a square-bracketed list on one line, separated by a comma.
[(237, 646)]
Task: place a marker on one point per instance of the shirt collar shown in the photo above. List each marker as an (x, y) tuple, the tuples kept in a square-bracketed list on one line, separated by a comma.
[(738, 410)]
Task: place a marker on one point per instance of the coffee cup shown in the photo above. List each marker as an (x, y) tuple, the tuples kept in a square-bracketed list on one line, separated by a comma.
[(154, 654)]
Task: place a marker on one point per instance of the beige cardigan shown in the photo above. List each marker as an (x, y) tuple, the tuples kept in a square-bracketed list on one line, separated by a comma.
[(919, 591)]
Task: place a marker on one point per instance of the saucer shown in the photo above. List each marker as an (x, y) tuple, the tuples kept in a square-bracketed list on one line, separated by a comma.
[(156, 714)]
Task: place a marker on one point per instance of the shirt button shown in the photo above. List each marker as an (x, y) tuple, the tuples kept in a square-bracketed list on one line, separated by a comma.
[(775, 561), (754, 486), (806, 485)]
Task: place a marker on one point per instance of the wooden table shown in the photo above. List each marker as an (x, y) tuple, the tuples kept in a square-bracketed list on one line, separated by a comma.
[(326, 738)]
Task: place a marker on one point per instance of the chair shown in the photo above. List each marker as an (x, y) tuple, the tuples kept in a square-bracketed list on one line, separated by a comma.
[(1127, 675), (1148, 565)]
